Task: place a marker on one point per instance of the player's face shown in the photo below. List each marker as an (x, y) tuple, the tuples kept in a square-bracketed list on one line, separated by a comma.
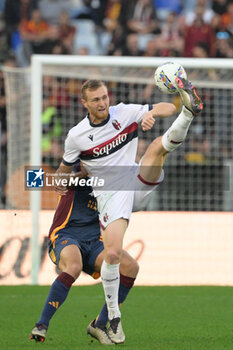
[(97, 103)]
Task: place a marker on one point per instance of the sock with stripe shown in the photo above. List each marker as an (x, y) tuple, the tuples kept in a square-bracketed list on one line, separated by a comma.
[(126, 283), (57, 295), (176, 134), (110, 276)]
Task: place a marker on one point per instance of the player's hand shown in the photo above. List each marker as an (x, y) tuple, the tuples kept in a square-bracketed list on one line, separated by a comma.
[(61, 190), (63, 172), (83, 170), (81, 173), (147, 121)]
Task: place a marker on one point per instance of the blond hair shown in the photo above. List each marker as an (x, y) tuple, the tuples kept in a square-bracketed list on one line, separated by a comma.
[(91, 85)]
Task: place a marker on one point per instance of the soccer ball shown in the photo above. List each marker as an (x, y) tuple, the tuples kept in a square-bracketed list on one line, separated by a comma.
[(165, 76)]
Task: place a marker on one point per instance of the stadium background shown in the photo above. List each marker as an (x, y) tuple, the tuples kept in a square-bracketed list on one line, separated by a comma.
[(198, 29)]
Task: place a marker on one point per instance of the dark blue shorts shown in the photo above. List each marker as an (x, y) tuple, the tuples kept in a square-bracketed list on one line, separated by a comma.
[(89, 250)]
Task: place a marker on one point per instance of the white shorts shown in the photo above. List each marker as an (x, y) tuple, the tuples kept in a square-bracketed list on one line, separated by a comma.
[(114, 205), (143, 190)]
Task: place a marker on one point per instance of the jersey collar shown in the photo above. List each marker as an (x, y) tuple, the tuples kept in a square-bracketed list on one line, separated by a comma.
[(101, 124)]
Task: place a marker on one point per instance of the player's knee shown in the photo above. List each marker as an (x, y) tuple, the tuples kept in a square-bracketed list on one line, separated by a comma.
[(155, 151), (73, 268), (113, 256), (135, 268), (157, 147)]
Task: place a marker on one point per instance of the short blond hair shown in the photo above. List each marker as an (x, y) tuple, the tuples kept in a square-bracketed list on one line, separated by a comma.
[(91, 85)]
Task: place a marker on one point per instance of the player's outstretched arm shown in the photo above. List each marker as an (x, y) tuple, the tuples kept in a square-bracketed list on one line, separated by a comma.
[(163, 110), (159, 110)]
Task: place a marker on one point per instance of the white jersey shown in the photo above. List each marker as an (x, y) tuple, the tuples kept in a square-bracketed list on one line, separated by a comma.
[(110, 143)]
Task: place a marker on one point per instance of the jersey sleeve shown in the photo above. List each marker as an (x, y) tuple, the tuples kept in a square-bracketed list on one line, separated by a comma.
[(135, 111), (71, 153)]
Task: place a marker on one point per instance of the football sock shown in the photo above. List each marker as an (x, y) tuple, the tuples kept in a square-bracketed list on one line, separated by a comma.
[(110, 279), (176, 134), (57, 295), (126, 283)]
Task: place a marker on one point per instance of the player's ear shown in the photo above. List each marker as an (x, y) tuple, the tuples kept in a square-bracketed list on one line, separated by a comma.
[(84, 102)]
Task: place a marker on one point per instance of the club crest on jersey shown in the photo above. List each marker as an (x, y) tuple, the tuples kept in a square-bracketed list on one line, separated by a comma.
[(116, 124), (105, 217)]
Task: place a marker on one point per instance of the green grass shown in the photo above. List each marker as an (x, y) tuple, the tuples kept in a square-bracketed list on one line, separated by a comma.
[(161, 318)]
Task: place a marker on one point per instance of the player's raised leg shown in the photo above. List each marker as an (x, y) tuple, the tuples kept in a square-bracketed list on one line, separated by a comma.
[(110, 275), (155, 156), (189, 96), (193, 105)]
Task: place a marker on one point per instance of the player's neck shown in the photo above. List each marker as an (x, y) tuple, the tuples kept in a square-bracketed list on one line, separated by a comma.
[(96, 120)]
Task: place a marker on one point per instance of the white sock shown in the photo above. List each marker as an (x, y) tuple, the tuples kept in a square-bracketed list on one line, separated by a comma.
[(176, 134), (110, 276)]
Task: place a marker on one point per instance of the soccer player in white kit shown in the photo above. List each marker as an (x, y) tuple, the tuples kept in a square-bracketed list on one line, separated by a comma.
[(107, 137)]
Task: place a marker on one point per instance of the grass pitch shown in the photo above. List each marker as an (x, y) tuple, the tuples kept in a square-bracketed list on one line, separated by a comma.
[(161, 318)]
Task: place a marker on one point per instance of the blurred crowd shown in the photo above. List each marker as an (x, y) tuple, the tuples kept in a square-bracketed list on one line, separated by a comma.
[(149, 28), (194, 28)]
